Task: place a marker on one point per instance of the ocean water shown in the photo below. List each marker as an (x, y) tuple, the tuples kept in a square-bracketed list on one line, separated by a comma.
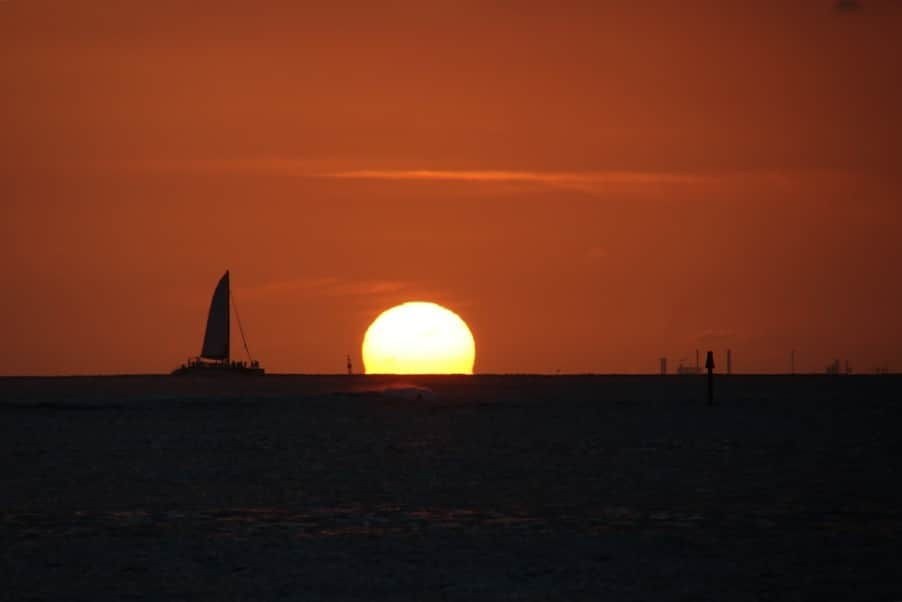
[(451, 488)]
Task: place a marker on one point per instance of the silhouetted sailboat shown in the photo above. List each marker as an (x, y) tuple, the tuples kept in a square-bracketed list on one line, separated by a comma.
[(214, 357)]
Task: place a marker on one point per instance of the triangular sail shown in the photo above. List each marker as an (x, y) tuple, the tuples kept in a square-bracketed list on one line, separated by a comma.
[(216, 339)]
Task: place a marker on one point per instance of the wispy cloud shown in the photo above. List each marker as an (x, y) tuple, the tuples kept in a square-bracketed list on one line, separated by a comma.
[(600, 183), (328, 169), (327, 286), (370, 296), (616, 183), (847, 6), (596, 254), (585, 181)]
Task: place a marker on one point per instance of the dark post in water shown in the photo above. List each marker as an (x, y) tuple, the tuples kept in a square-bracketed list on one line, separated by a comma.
[(709, 364)]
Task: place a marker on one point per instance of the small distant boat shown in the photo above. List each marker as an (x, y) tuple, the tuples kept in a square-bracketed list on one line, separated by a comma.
[(214, 358)]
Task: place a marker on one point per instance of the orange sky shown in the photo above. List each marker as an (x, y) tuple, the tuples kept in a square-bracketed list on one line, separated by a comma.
[(590, 185)]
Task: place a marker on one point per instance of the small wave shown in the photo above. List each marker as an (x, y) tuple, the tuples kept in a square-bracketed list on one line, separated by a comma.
[(408, 392)]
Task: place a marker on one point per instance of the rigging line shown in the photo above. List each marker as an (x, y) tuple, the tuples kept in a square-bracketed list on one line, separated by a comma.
[(240, 327)]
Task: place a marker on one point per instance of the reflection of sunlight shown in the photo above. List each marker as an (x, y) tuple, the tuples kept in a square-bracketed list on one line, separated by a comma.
[(418, 338), (409, 392)]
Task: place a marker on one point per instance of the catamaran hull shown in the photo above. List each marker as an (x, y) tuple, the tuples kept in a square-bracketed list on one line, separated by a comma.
[(217, 370)]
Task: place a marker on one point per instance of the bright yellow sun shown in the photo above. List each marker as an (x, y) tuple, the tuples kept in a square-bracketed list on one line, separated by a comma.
[(418, 338)]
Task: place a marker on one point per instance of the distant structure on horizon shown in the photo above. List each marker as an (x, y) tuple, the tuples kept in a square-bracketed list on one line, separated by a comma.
[(836, 368), (684, 369), (663, 365), (729, 361)]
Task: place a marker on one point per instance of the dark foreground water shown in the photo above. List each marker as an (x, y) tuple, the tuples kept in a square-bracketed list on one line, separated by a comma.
[(488, 488)]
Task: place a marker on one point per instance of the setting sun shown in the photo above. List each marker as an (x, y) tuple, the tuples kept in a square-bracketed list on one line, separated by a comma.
[(418, 338)]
